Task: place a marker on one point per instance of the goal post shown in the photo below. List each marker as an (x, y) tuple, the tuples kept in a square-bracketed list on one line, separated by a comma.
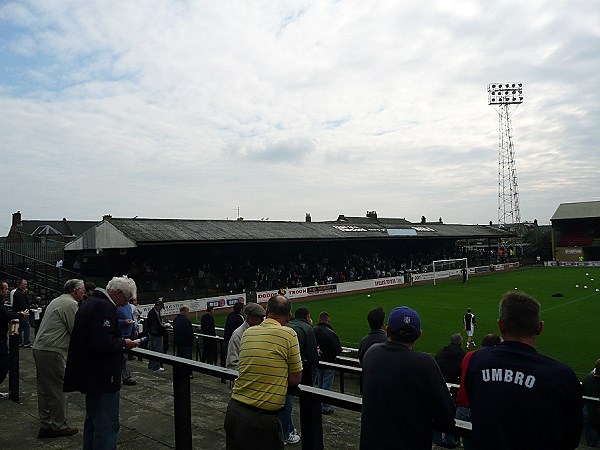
[(448, 268)]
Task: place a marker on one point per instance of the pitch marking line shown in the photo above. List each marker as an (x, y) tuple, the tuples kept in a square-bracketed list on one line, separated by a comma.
[(568, 303)]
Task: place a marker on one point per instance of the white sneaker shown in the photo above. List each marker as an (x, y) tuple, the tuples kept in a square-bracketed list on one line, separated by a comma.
[(293, 438), (3, 394), (161, 369)]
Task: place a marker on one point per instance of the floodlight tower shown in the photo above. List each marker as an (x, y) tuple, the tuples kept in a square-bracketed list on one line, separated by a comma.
[(507, 97)]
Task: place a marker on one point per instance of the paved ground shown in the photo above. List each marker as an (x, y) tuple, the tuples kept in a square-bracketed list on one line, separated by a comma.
[(147, 414)]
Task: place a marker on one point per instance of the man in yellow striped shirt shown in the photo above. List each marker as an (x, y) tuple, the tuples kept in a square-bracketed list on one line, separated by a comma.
[(269, 362)]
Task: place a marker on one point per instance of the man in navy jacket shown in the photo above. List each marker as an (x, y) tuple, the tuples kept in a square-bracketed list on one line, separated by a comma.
[(519, 398), (405, 396), (183, 333), (95, 359)]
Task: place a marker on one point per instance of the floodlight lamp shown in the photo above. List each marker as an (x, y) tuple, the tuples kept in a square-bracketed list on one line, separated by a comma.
[(505, 93)]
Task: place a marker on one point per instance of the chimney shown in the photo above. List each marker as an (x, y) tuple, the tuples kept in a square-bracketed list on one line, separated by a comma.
[(441, 221), (308, 219), (372, 214), (106, 216), (16, 219), (423, 219)]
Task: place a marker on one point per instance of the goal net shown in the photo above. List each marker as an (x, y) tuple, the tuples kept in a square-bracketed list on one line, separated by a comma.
[(449, 268)]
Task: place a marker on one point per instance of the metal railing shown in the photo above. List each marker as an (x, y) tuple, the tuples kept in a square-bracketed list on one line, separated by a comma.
[(310, 398)]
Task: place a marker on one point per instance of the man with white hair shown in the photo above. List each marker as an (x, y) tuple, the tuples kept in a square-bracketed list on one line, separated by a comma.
[(50, 349), (95, 359)]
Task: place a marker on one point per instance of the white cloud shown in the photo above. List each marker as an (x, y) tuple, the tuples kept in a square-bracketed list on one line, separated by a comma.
[(190, 109)]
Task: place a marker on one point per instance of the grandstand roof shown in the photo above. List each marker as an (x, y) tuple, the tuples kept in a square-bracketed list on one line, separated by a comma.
[(577, 210), (124, 233)]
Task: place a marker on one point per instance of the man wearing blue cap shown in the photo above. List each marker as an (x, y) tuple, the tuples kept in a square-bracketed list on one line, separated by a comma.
[(405, 396)]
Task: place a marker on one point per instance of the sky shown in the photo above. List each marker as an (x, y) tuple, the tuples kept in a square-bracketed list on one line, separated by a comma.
[(272, 109)]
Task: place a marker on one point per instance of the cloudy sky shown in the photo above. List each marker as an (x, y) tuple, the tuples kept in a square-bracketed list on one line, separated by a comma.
[(193, 109)]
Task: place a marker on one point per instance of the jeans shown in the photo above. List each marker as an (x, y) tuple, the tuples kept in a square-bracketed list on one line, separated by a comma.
[(590, 433), (125, 372), (463, 413), (285, 416), (101, 426), (325, 381), (447, 439), (26, 329), (155, 343)]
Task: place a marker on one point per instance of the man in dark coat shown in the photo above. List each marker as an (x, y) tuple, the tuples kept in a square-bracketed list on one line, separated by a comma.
[(519, 398), (302, 325), (95, 361), (330, 347), (183, 333), (233, 321), (449, 359), (5, 318), (156, 333), (404, 394), (377, 335), (209, 345), (20, 304)]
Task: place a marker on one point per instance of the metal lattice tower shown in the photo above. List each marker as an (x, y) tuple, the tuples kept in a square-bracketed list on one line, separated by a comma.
[(507, 97)]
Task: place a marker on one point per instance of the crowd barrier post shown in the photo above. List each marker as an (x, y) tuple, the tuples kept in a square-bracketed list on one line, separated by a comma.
[(182, 406)]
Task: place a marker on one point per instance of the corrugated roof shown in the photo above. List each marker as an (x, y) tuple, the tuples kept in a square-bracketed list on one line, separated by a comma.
[(577, 210), (185, 230)]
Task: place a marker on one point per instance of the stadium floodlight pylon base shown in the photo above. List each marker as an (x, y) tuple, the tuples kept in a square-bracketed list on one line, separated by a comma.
[(447, 268)]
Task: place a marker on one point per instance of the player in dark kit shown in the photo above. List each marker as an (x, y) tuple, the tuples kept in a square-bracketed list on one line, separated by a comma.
[(470, 324)]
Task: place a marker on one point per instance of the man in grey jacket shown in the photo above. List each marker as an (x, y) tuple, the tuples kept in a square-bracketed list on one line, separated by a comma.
[(50, 349)]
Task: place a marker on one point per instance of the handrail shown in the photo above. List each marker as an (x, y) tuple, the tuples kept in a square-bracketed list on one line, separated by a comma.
[(310, 400)]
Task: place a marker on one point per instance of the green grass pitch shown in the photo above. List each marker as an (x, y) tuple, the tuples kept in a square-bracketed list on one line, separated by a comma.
[(570, 334)]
